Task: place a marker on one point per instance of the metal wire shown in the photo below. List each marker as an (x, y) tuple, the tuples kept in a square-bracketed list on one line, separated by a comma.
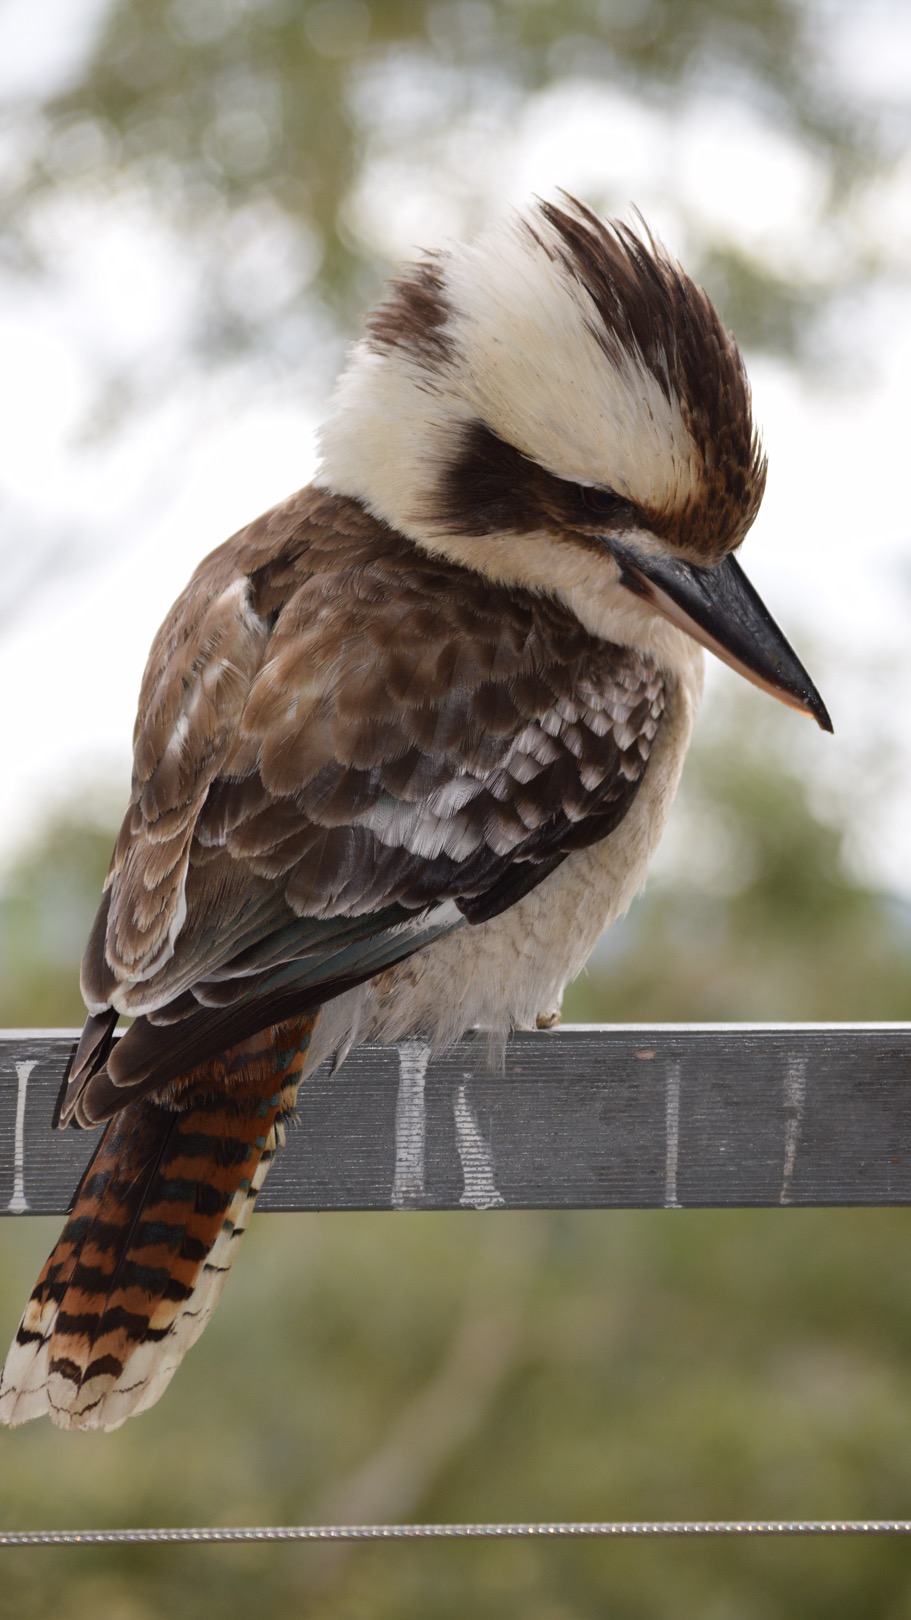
[(460, 1532)]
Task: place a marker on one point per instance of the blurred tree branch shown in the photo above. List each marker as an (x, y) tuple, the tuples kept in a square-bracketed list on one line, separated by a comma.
[(236, 121)]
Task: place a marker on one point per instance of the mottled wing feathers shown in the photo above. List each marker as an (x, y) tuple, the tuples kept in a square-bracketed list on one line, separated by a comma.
[(338, 734)]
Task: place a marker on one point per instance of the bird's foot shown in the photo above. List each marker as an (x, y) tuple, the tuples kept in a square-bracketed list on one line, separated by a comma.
[(548, 1020)]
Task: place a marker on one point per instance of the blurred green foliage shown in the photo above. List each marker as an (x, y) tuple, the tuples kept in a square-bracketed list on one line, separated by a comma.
[(453, 1367), (47, 902), (237, 120)]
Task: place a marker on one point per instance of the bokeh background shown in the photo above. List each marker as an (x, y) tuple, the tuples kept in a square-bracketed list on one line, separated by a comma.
[(199, 199)]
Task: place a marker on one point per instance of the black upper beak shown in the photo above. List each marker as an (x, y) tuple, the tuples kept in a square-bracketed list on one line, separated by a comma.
[(719, 608)]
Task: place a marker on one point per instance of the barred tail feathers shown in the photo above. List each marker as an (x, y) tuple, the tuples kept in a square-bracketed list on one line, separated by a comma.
[(140, 1265)]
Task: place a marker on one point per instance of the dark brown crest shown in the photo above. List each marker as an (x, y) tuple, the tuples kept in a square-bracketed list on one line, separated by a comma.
[(489, 487), (414, 313), (646, 305)]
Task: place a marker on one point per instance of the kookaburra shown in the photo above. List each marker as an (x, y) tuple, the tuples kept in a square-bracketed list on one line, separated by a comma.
[(405, 747)]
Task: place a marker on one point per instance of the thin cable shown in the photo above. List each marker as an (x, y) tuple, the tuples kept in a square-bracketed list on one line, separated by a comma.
[(460, 1532)]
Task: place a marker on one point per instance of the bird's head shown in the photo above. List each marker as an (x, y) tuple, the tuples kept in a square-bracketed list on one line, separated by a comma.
[(558, 406)]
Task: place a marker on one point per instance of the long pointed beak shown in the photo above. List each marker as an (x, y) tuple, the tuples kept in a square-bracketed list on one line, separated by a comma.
[(719, 608)]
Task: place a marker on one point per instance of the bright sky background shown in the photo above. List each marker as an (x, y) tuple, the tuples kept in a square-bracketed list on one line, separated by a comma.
[(130, 514)]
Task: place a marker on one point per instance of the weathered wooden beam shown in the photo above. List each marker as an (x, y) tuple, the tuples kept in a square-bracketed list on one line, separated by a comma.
[(582, 1118)]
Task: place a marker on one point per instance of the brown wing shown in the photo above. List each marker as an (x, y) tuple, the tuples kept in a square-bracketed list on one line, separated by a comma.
[(338, 736)]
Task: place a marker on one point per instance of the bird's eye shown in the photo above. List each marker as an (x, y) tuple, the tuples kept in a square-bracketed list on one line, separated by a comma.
[(604, 503)]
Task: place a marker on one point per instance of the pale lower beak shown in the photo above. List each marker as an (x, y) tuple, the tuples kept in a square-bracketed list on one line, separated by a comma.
[(719, 608)]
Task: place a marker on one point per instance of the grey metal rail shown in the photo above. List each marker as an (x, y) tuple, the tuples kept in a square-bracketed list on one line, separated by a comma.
[(579, 1117)]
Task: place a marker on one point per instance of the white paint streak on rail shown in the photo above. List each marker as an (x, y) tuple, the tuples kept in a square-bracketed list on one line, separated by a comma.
[(795, 1089), (410, 1124), (477, 1165), (18, 1204), (671, 1132)]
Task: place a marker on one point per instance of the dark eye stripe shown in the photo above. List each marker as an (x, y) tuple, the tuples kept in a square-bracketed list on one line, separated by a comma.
[(490, 487)]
